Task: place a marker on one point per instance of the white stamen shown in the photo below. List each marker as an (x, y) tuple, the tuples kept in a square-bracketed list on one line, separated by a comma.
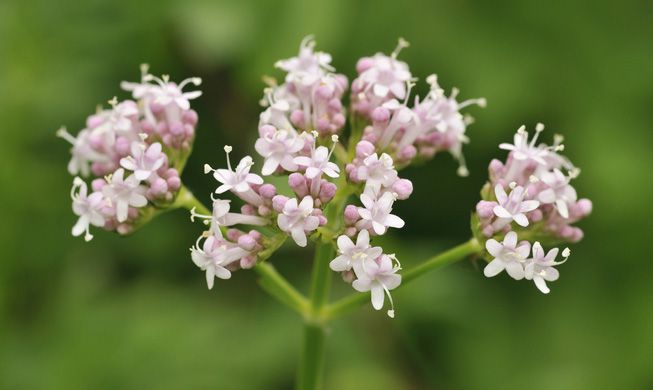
[(207, 169), (401, 44)]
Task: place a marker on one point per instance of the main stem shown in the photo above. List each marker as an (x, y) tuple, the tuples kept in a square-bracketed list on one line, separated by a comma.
[(312, 358)]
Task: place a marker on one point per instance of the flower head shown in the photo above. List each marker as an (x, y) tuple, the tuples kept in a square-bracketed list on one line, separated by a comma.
[(507, 255), (298, 219)]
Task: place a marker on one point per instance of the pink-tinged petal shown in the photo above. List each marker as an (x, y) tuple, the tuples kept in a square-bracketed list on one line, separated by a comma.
[(241, 187), (80, 226), (222, 272), (183, 103), (547, 196), (210, 277), (506, 146), (523, 250), (192, 95), (223, 175), (269, 166), (253, 178), (378, 228), (561, 205), (128, 163), (374, 252), (306, 203), (510, 240), (520, 219), (551, 274), (392, 281), (385, 201), (284, 222), (345, 243), (380, 90), (321, 153), (399, 90), (515, 270), (361, 285), (501, 212), (340, 263), (528, 205), (500, 193), (299, 236), (378, 296), (223, 188), (118, 176), (312, 172), (311, 223), (367, 201), (393, 221), (493, 247), (137, 200), (493, 268), (538, 251), (541, 284), (331, 172), (364, 213), (303, 161), (363, 239), (551, 256), (142, 174), (121, 211)]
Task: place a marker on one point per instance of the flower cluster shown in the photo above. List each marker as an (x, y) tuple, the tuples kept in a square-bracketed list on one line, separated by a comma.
[(529, 196), (380, 95), (132, 153)]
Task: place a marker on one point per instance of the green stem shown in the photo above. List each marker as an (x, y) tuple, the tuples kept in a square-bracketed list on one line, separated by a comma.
[(312, 359), (277, 286), (454, 254), (186, 199)]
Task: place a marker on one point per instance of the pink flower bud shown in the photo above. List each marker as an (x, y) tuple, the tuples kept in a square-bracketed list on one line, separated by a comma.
[(246, 242), (403, 188), (327, 191), (484, 209), (380, 115), (98, 184), (233, 234), (247, 262), (364, 64), (364, 149), (248, 209), (267, 191), (174, 183), (351, 214), (190, 117), (278, 202)]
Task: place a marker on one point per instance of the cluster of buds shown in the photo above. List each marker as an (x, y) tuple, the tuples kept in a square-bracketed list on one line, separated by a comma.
[(541, 206), (132, 153), (380, 95)]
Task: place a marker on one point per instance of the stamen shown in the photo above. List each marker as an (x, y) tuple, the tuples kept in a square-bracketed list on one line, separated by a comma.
[(207, 169), (194, 80), (142, 136), (538, 129), (113, 102), (409, 86), (227, 150), (391, 312), (401, 44), (566, 252), (512, 185), (63, 133), (145, 68)]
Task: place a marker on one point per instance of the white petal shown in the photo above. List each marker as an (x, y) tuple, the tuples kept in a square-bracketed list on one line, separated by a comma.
[(528, 205), (501, 212), (378, 296), (340, 263), (345, 243), (515, 270), (541, 284), (520, 219), (493, 247), (493, 268), (510, 240), (500, 193), (394, 221), (299, 236)]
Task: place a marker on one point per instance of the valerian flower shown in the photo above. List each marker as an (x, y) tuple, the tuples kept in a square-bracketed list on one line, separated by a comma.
[(540, 269), (352, 254), (298, 219), (379, 276), (507, 255)]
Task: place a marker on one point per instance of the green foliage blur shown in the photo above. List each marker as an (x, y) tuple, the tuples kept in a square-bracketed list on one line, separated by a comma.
[(134, 313)]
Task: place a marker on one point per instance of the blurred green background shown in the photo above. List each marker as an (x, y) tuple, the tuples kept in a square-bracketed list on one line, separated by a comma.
[(134, 312)]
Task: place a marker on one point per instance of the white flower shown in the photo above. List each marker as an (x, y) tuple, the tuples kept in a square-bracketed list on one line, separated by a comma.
[(351, 254), (239, 181), (512, 207), (540, 268), (508, 256), (387, 75), (377, 172), (378, 276), (376, 213), (523, 150), (297, 219), (559, 192), (87, 207), (144, 162), (308, 66), (222, 217), (167, 92), (318, 163), (215, 256), (123, 193), (279, 149), (82, 152)]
